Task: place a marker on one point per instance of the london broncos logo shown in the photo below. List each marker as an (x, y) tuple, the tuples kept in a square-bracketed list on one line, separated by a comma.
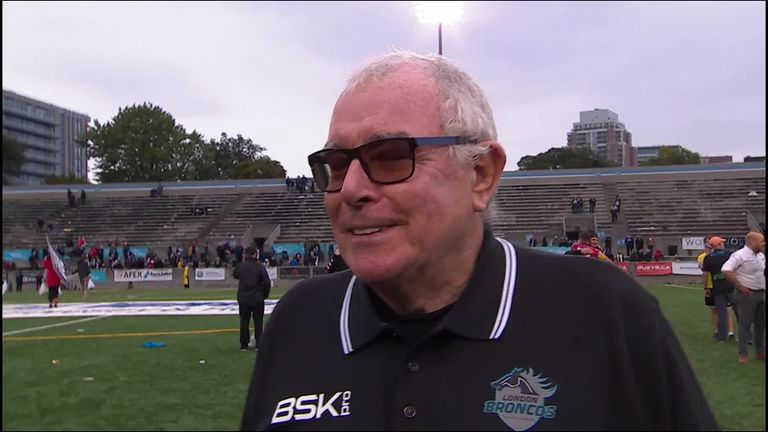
[(520, 397)]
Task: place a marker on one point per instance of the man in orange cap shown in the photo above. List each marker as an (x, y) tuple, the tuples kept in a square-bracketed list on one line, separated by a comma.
[(722, 289)]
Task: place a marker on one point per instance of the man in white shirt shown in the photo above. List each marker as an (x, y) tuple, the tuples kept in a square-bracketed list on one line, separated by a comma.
[(745, 269)]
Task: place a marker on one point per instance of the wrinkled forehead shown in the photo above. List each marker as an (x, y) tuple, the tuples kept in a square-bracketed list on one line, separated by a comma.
[(402, 104)]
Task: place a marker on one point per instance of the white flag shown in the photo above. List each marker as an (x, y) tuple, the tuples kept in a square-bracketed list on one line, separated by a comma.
[(58, 266)]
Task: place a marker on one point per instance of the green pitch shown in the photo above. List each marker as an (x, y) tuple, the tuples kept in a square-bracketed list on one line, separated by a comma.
[(105, 380)]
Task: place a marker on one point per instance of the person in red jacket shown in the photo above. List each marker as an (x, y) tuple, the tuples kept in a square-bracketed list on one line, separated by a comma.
[(52, 280)]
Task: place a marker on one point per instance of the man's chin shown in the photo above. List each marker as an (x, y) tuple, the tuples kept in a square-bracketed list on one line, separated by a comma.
[(371, 272)]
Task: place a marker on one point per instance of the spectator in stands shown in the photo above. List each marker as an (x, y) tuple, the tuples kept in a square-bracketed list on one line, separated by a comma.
[(745, 269), (82, 196), (614, 213), (574, 205), (649, 242), (629, 243), (658, 255), (238, 253), (287, 183), (646, 255), (252, 289), (84, 274), (431, 287), (619, 256), (331, 250), (617, 201), (608, 244), (126, 252), (296, 260), (639, 243), (722, 290), (40, 224), (336, 263), (71, 198), (544, 241), (33, 257), (592, 205)]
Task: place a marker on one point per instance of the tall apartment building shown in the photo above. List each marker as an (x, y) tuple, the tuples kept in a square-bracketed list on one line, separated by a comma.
[(600, 131), (47, 134)]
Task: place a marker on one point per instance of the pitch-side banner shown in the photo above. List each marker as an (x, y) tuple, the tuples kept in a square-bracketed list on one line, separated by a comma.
[(209, 274), (693, 243), (143, 275), (686, 268), (658, 268)]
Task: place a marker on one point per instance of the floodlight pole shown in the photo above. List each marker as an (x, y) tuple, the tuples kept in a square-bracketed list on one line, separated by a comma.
[(440, 38)]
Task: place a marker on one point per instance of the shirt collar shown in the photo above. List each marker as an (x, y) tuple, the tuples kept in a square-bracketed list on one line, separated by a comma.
[(482, 311)]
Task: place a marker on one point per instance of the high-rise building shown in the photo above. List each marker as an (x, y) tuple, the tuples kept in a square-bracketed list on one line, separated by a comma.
[(47, 135), (600, 131)]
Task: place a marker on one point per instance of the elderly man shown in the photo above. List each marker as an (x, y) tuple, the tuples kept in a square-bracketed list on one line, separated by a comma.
[(438, 324), (745, 269)]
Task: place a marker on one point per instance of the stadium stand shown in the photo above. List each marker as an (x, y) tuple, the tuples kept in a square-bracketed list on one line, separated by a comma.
[(664, 202)]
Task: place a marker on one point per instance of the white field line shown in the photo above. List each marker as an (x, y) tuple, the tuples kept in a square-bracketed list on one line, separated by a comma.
[(31, 329), (686, 287)]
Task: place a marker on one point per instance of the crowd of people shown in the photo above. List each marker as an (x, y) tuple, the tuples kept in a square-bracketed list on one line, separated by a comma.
[(300, 184)]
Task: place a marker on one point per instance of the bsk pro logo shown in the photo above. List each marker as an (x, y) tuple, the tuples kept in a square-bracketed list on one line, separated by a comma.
[(311, 407)]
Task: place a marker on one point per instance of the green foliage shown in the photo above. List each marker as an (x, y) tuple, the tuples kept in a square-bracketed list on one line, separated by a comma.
[(563, 158), (13, 158), (144, 143), (259, 168), (674, 155), (57, 180), (219, 159)]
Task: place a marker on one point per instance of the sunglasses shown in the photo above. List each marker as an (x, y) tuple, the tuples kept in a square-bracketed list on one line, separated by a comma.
[(385, 161)]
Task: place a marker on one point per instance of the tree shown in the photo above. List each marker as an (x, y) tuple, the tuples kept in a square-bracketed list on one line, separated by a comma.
[(13, 158), (142, 143), (564, 158), (58, 180), (263, 167), (234, 157), (674, 155)]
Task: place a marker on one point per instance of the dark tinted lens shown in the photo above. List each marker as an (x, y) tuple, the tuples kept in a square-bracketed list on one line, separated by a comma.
[(389, 160), (329, 168)]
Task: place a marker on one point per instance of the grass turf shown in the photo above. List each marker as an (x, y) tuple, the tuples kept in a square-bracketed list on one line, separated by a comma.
[(136, 388)]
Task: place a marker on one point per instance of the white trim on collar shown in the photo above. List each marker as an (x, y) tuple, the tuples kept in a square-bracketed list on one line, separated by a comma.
[(508, 289), (502, 316), (346, 341)]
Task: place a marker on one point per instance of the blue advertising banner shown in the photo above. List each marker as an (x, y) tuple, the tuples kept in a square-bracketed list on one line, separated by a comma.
[(99, 276), (16, 254)]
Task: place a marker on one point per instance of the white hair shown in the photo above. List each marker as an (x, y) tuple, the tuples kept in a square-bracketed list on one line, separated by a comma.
[(464, 109)]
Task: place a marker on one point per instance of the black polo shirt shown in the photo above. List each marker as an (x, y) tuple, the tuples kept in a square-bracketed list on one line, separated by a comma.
[(535, 341)]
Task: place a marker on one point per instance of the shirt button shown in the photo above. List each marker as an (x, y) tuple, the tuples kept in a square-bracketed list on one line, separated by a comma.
[(413, 367), (409, 411)]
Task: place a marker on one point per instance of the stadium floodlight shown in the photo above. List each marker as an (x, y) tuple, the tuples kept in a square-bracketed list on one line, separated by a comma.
[(440, 12)]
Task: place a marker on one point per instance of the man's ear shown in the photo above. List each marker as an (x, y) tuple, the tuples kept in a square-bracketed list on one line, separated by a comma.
[(487, 172)]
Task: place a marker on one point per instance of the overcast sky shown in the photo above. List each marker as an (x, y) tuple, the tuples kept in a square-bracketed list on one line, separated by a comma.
[(684, 73)]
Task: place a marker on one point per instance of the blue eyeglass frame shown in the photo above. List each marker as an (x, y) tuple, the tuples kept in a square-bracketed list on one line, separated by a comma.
[(322, 175)]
